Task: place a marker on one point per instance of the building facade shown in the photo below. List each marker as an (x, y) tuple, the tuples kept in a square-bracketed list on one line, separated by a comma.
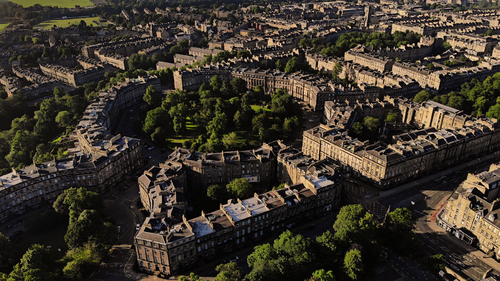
[(166, 249), (411, 154)]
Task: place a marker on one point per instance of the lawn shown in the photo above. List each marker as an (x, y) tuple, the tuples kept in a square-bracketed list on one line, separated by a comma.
[(256, 108), (54, 3), (67, 22), (3, 26)]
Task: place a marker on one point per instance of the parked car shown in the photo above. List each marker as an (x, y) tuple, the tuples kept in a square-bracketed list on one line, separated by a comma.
[(17, 233), (151, 148), (234, 259), (137, 227)]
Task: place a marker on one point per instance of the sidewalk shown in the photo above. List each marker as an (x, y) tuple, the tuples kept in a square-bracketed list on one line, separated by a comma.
[(431, 222)]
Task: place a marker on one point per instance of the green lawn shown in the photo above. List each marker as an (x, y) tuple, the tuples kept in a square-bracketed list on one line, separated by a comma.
[(67, 22), (190, 126), (54, 3), (3, 26), (256, 108)]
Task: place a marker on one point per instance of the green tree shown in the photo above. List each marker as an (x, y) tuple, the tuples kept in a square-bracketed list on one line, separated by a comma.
[(63, 119), (152, 97), (422, 96), (355, 225), (240, 188), (371, 124), (239, 85), (292, 65), (290, 257), (76, 200), (279, 65), (216, 83), (82, 260), (391, 117), (353, 264), (155, 118), (229, 272), (322, 275), (33, 265), (231, 141), (6, 252), (88, 227), (217, 193), (402, 221)]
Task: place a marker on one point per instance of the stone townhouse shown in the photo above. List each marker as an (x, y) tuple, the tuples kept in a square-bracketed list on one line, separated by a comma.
[(72, 77), (411, 154), (192, 79), (99, 160), (162, 190), (117, 53), (379, 64), (204, 169), (26, 188), (200, 52), (306, 87), (186, 59), (166, 249), (472, 43), (472, 212)]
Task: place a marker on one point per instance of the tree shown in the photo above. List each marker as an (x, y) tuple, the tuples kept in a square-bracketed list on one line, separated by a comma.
[(239, 85), (279, 65), (371, 124), (290, 257), (391, 117), (422, 96), (63, 119), (402, 221), (77, 200), (82, 259), (216, 193), (355, 225), (216, 83), (155, 118), (88, 227), (33, 265), (151, 97), (229, 272), (322, 275), (353, 264), (292, 65), (58, 92), (6, 248), (240, 188)]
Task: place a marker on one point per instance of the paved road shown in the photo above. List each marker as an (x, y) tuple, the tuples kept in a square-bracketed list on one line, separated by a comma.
[(425, 201)]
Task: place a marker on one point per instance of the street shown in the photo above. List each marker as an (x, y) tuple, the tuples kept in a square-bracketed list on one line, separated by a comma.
[(424, 202)]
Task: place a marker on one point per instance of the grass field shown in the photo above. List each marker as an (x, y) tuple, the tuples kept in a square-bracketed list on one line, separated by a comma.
[(67, 22), (54, 3), (3, 26), (256, 108)]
